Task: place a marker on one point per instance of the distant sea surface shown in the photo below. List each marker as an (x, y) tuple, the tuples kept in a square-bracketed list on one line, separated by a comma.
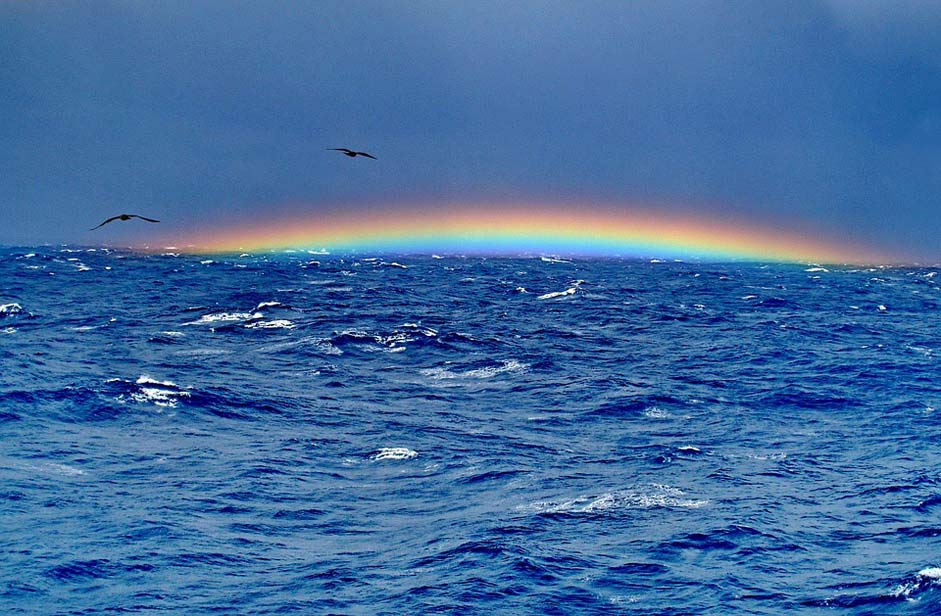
[(312, 434)]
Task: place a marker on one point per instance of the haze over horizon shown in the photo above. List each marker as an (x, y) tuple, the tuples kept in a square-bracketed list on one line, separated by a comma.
[(821, 113)]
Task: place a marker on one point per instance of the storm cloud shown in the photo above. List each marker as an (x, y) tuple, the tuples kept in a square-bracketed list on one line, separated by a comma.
[(824, 112)]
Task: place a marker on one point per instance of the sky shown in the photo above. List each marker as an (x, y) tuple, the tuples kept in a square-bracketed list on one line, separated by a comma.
[(822, 115)]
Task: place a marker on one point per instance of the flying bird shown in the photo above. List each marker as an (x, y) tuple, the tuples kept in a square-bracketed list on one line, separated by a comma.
[(124, 217), (354, 154)]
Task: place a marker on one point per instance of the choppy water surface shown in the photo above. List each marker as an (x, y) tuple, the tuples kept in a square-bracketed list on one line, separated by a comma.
[(313, 434)]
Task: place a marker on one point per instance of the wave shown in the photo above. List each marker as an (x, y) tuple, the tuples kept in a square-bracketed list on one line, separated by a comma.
[(569, 291), (926, 579), (919, 589), (226, 317), (10, 309), (488, 371), (654, 496), (147, 390), (273, 324), (219, 401), (396, 340), (394, 453), (13, 311), (652, 406)]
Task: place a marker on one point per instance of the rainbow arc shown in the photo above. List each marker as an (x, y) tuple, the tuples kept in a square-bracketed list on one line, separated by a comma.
[(573, 230)]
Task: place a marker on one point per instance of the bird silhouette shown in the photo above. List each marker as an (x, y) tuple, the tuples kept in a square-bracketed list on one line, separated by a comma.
[(124, 217), (353, 153)]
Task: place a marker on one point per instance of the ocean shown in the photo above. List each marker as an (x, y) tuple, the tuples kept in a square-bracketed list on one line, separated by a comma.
[(393, 434)]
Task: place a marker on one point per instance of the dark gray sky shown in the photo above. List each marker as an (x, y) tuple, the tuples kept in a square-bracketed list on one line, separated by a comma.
[(199, 113)]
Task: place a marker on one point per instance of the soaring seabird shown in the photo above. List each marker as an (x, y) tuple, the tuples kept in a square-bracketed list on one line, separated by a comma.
[(124, 217), (353, 154)]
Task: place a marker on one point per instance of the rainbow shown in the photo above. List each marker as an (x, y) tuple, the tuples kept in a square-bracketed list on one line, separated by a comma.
[(514, 229)]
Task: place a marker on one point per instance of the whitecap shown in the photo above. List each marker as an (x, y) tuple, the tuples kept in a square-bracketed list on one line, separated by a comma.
[(202, 352), (576, 284), (510, 365), (775, 456), (653, 497), (394, 264), (326, 347), (933, 573), (225, 317), (146, 380), (206, 262), (274, 324), (160, 393), (11, 309), (654, 412), (882, 308), (394, 453), (9, 330), (929, 576), (816, 269), (425, 331), (569, 291), (270, 304), (554, 260)]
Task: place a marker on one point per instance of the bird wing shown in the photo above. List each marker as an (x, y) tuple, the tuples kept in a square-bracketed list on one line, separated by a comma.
[(106, 222), (341, 150), (367, 155), (144, 218)]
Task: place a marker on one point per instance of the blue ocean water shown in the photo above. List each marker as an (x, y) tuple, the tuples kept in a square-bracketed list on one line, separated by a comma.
[(305, 433)]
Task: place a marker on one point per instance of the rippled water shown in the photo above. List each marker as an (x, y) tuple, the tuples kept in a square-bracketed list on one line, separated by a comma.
[(315, 433)]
